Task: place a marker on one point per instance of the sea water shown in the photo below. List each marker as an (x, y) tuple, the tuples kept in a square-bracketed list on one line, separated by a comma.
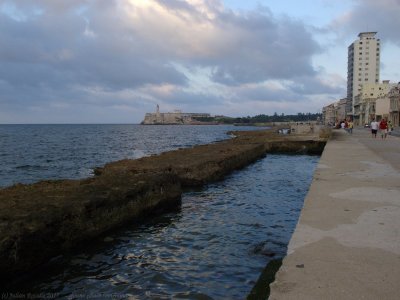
[(29, 153), (214, 246)]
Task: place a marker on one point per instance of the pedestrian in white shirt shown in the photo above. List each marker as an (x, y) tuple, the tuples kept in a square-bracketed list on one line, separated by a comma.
[(374, 128)]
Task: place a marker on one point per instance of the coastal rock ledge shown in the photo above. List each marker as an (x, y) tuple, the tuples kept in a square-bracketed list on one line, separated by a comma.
[(42, 220)]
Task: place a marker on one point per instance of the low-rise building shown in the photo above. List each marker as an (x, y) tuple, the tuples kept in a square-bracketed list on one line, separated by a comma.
[(335, 112), (329, 115), (382, 108), (365, 103), (341, 110), (394, 106)]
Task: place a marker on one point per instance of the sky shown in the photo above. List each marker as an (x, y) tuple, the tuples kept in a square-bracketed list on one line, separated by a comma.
[(88, 61)]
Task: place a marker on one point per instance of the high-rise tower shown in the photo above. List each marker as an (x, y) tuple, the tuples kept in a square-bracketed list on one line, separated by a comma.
[(363, 63)]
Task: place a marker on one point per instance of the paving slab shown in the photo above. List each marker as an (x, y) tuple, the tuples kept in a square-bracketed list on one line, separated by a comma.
[(347, 242)]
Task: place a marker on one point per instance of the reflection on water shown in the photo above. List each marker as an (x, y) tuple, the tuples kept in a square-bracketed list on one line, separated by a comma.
[(214, 247)]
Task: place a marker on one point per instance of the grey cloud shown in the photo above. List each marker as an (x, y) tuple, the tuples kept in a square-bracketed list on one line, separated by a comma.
[(370, 15), (262, 48), (268, 48), (182, 99), (177, 5), (263, 94), (54, 48), (62, 49), (300, 89), (313, 86), (249, 47)]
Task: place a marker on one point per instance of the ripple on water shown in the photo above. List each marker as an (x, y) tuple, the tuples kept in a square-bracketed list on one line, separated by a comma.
[(39, 152), (214, 247)]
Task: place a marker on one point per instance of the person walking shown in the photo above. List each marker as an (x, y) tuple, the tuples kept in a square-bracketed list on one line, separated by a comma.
[(350, 126), (383, 128), (390, 127), (374, 128)]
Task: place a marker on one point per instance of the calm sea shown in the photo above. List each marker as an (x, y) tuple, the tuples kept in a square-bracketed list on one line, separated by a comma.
[(212, 247)]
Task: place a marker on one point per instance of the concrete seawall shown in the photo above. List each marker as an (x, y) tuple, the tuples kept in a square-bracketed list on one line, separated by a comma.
[(49, 218), (347, 242)]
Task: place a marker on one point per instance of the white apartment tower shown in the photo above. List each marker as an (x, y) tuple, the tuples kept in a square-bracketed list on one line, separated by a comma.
[(363, 63)]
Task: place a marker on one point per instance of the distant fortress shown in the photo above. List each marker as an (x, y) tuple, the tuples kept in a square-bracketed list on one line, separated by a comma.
[(176, 118)]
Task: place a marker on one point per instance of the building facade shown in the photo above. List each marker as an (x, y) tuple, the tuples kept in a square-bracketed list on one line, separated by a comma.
[(394, 106), (371, 102), (329, 115), (363, 66), (334, 113)]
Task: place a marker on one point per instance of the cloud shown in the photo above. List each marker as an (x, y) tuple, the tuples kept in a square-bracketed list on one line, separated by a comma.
[(195, 54), (50, 51), (263, 49), (369, 15)]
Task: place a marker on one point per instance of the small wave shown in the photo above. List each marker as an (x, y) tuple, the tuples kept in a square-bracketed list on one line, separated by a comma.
[(31, 167), (269, 248)]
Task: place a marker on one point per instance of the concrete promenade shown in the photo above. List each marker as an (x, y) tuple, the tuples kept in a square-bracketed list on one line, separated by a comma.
[(347, 242)]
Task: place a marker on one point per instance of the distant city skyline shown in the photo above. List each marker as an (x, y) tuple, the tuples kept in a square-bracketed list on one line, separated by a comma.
[(88, 61)]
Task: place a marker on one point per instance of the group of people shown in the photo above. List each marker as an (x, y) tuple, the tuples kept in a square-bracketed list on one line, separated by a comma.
[(383, 126), (347, 125)]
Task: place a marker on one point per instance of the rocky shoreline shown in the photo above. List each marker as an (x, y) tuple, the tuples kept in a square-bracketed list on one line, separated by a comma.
[(42, 220)]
